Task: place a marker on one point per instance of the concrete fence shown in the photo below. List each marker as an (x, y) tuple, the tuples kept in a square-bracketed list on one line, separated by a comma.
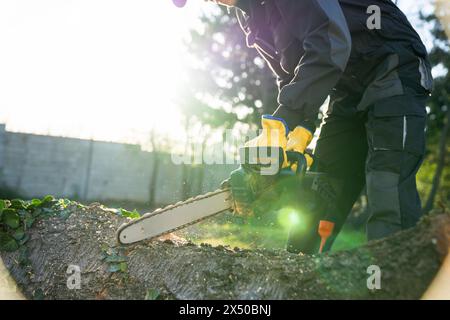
[(36, 165)]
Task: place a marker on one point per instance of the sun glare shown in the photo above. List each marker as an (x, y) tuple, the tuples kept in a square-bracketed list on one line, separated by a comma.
[(103, 69)]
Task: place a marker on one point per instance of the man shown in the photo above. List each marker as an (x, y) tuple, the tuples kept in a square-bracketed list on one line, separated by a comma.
[(378, 80)]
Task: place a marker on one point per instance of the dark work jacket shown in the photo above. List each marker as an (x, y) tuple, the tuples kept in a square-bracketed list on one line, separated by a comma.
[(319, 48)]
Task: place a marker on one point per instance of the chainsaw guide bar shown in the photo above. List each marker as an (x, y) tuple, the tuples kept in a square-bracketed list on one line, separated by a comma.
[(175, 217)]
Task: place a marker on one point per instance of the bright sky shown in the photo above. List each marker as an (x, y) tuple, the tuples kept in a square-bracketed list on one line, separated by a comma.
[(90, 68), (105, 69)]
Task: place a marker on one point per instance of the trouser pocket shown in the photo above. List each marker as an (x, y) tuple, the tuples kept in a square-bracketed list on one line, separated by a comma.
[(396, 138), (399, 133), (397, 124)]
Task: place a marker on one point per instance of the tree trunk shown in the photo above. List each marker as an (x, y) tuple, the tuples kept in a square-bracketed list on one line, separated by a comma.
[(440, 166), (86, 240)]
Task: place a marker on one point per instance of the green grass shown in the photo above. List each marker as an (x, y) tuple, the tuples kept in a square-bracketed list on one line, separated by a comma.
[(349, 239), (250, 236)]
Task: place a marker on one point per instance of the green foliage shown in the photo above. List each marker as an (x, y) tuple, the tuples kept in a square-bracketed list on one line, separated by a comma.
[(115, 259), (2, 206), (438, 107), (28, 220), (130, 214), (118, 267), (439, 56), (426, 175), (17, 216), (116, 262), (11, 218), (114, 268), (17, 204), (229, 86), (7, 242), (152, 294), (48, 199), (19, 234)]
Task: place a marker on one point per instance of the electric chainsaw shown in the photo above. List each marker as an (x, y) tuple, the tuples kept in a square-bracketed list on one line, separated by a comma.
[(247, 190)]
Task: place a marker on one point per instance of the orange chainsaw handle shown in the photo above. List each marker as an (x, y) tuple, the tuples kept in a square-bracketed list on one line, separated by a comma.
[(326, 229)]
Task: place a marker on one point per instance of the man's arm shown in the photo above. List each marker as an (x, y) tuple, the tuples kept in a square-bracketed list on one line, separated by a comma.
[(322, 28)]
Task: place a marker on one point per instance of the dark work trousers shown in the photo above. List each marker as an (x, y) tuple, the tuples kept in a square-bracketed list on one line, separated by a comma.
[(380, 151), (380, 148), (373, 136)]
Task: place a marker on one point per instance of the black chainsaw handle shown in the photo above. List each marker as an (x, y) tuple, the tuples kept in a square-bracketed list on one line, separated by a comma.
[(299, 159)]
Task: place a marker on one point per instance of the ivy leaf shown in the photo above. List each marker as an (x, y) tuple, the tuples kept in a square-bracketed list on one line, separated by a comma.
[(18, 204), (80, 206), (114, 268), (35, 203), (47, 212), (118, 267), (1, 210), (11, 218), (19, 234), (152, 294), (28, 220), (24, 240), (105, 247), (130, 214), (2, 206), (64, 203), (48, 198), (36, 213), (47, 201), (123, 266), (115, 259), (7, 243)]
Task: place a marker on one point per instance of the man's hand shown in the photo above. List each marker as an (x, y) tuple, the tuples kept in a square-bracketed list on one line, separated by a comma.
[(276, 134), (298, 140)]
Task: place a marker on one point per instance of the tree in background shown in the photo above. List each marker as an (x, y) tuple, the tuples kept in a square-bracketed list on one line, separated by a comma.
[(227, 86), (439, 111), (228, 82)]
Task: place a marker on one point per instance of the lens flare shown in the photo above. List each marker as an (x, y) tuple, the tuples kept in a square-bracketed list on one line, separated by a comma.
[(289, 218), (293, 218)]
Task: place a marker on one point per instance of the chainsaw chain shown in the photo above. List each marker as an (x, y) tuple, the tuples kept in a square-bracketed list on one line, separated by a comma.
[(168, 208)]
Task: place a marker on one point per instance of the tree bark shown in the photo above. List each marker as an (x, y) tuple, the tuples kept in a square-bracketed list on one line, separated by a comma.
[(440, 166), (178, 270)]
